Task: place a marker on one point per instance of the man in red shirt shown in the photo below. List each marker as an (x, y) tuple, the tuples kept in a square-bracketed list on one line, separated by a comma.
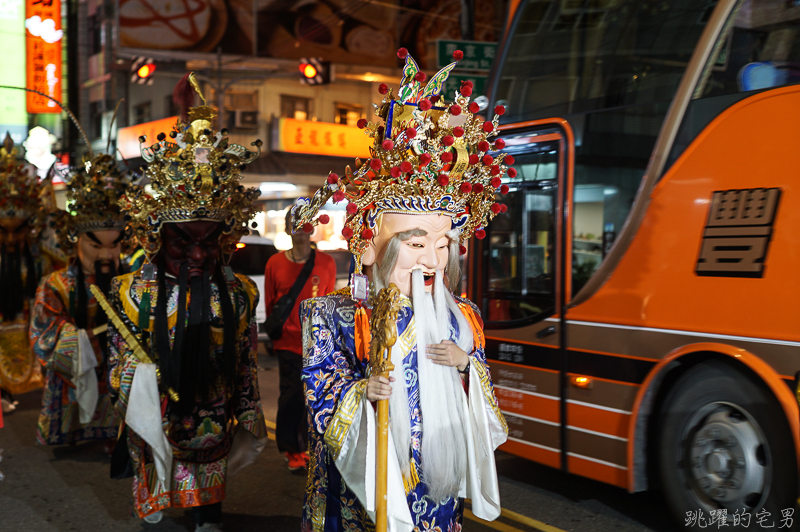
[(291, 431)]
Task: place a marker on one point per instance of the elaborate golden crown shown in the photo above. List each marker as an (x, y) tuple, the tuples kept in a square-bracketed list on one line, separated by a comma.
[(195, 176), (20, 189), (93, 193), (429, 156)]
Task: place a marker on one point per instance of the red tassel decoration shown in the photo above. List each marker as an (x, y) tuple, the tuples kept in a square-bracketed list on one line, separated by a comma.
[(184, 96)]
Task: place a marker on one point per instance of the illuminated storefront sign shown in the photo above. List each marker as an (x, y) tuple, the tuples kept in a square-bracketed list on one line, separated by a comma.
[(128, 137), (43, 51), (320, 138), (13, 118)]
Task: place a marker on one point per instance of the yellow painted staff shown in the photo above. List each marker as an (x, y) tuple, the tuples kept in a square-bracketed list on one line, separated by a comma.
[(137, 348), (383, 329)]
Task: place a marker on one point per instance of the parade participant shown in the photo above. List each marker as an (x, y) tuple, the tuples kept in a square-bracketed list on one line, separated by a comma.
[(67, 328), (429, 186), (187, 321), (315, 274), (22, 263)]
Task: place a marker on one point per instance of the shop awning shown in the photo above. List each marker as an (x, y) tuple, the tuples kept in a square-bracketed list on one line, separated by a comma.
[(297, 168)]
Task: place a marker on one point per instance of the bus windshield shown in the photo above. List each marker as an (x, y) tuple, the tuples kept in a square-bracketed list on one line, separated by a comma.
[(567, 57), (611, 69)]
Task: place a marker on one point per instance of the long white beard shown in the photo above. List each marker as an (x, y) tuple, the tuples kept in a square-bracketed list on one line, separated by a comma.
[(442, 404)]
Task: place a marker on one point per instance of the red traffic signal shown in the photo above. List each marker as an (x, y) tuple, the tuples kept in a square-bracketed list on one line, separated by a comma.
[(314, 71), (145, 71), (142, 69), (308, 70)]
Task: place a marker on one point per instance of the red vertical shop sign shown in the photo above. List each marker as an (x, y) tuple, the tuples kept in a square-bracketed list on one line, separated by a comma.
[(43, 36)]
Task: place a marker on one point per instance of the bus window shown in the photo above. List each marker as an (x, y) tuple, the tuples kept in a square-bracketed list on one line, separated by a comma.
[(759, 51), (595, 225), (521, 262), (611, 69)]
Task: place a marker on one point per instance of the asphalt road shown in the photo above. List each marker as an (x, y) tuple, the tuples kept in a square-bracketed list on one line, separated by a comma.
[(66, 488)]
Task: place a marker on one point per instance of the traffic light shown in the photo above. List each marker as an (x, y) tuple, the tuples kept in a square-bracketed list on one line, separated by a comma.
[(314, 71), (142, 69)]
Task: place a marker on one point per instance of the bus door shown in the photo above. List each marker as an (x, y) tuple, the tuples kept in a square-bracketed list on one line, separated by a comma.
[(519, 288)]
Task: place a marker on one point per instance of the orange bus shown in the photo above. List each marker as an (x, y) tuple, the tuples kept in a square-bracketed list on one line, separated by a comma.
[(640, 295)]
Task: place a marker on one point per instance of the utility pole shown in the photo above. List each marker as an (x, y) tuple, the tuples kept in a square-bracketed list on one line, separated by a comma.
[(73, 78), (468, 20), (220, 90)]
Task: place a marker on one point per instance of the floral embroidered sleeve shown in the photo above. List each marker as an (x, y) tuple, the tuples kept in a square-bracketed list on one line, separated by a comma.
[(53, 338), (247, 408), (330, 366), (121, 361)]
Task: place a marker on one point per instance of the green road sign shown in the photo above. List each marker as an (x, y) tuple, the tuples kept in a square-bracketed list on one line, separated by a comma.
[(477, 55), (453, 84)]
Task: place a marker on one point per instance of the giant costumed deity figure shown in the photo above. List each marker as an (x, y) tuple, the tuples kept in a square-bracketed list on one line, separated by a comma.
[(22, 263), (184, 343), (68, 330), (428, 187)]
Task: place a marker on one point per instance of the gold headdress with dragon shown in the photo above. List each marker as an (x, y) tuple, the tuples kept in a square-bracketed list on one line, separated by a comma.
[(20, 189), (93, 192), (194, 176), (428, 156)]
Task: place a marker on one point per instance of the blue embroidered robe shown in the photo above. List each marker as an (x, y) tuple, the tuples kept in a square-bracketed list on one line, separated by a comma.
[(335, 382)]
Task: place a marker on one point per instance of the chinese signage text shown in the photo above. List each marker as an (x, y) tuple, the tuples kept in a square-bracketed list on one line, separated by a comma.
[(43, 50), (320, 138)]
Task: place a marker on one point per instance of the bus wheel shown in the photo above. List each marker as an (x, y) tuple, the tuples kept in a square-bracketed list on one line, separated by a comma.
[(725, 445)]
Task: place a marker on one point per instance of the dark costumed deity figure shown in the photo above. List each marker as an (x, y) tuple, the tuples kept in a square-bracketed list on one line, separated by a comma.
[(186, 375), (428, 187), (22, 263), (68, 329)]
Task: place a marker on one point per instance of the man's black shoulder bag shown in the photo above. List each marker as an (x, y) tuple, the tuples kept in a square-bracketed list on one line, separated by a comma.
[(280, 312)]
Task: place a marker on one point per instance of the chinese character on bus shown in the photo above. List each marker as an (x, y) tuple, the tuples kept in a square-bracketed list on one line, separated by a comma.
[(737, 233)]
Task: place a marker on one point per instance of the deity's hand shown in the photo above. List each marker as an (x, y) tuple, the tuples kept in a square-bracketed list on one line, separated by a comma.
[(378, 388), (448, 353)]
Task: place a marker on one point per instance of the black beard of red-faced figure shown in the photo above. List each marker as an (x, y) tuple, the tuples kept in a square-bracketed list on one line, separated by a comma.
[(189, 366), (13, 291)]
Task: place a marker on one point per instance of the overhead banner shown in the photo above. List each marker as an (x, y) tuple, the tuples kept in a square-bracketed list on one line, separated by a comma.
[(43, 36), (128, 137), (320, 138), (13, 118), (330, 29)]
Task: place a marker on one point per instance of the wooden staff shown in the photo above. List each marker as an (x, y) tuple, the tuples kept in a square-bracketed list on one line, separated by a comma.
[(383, 329)]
